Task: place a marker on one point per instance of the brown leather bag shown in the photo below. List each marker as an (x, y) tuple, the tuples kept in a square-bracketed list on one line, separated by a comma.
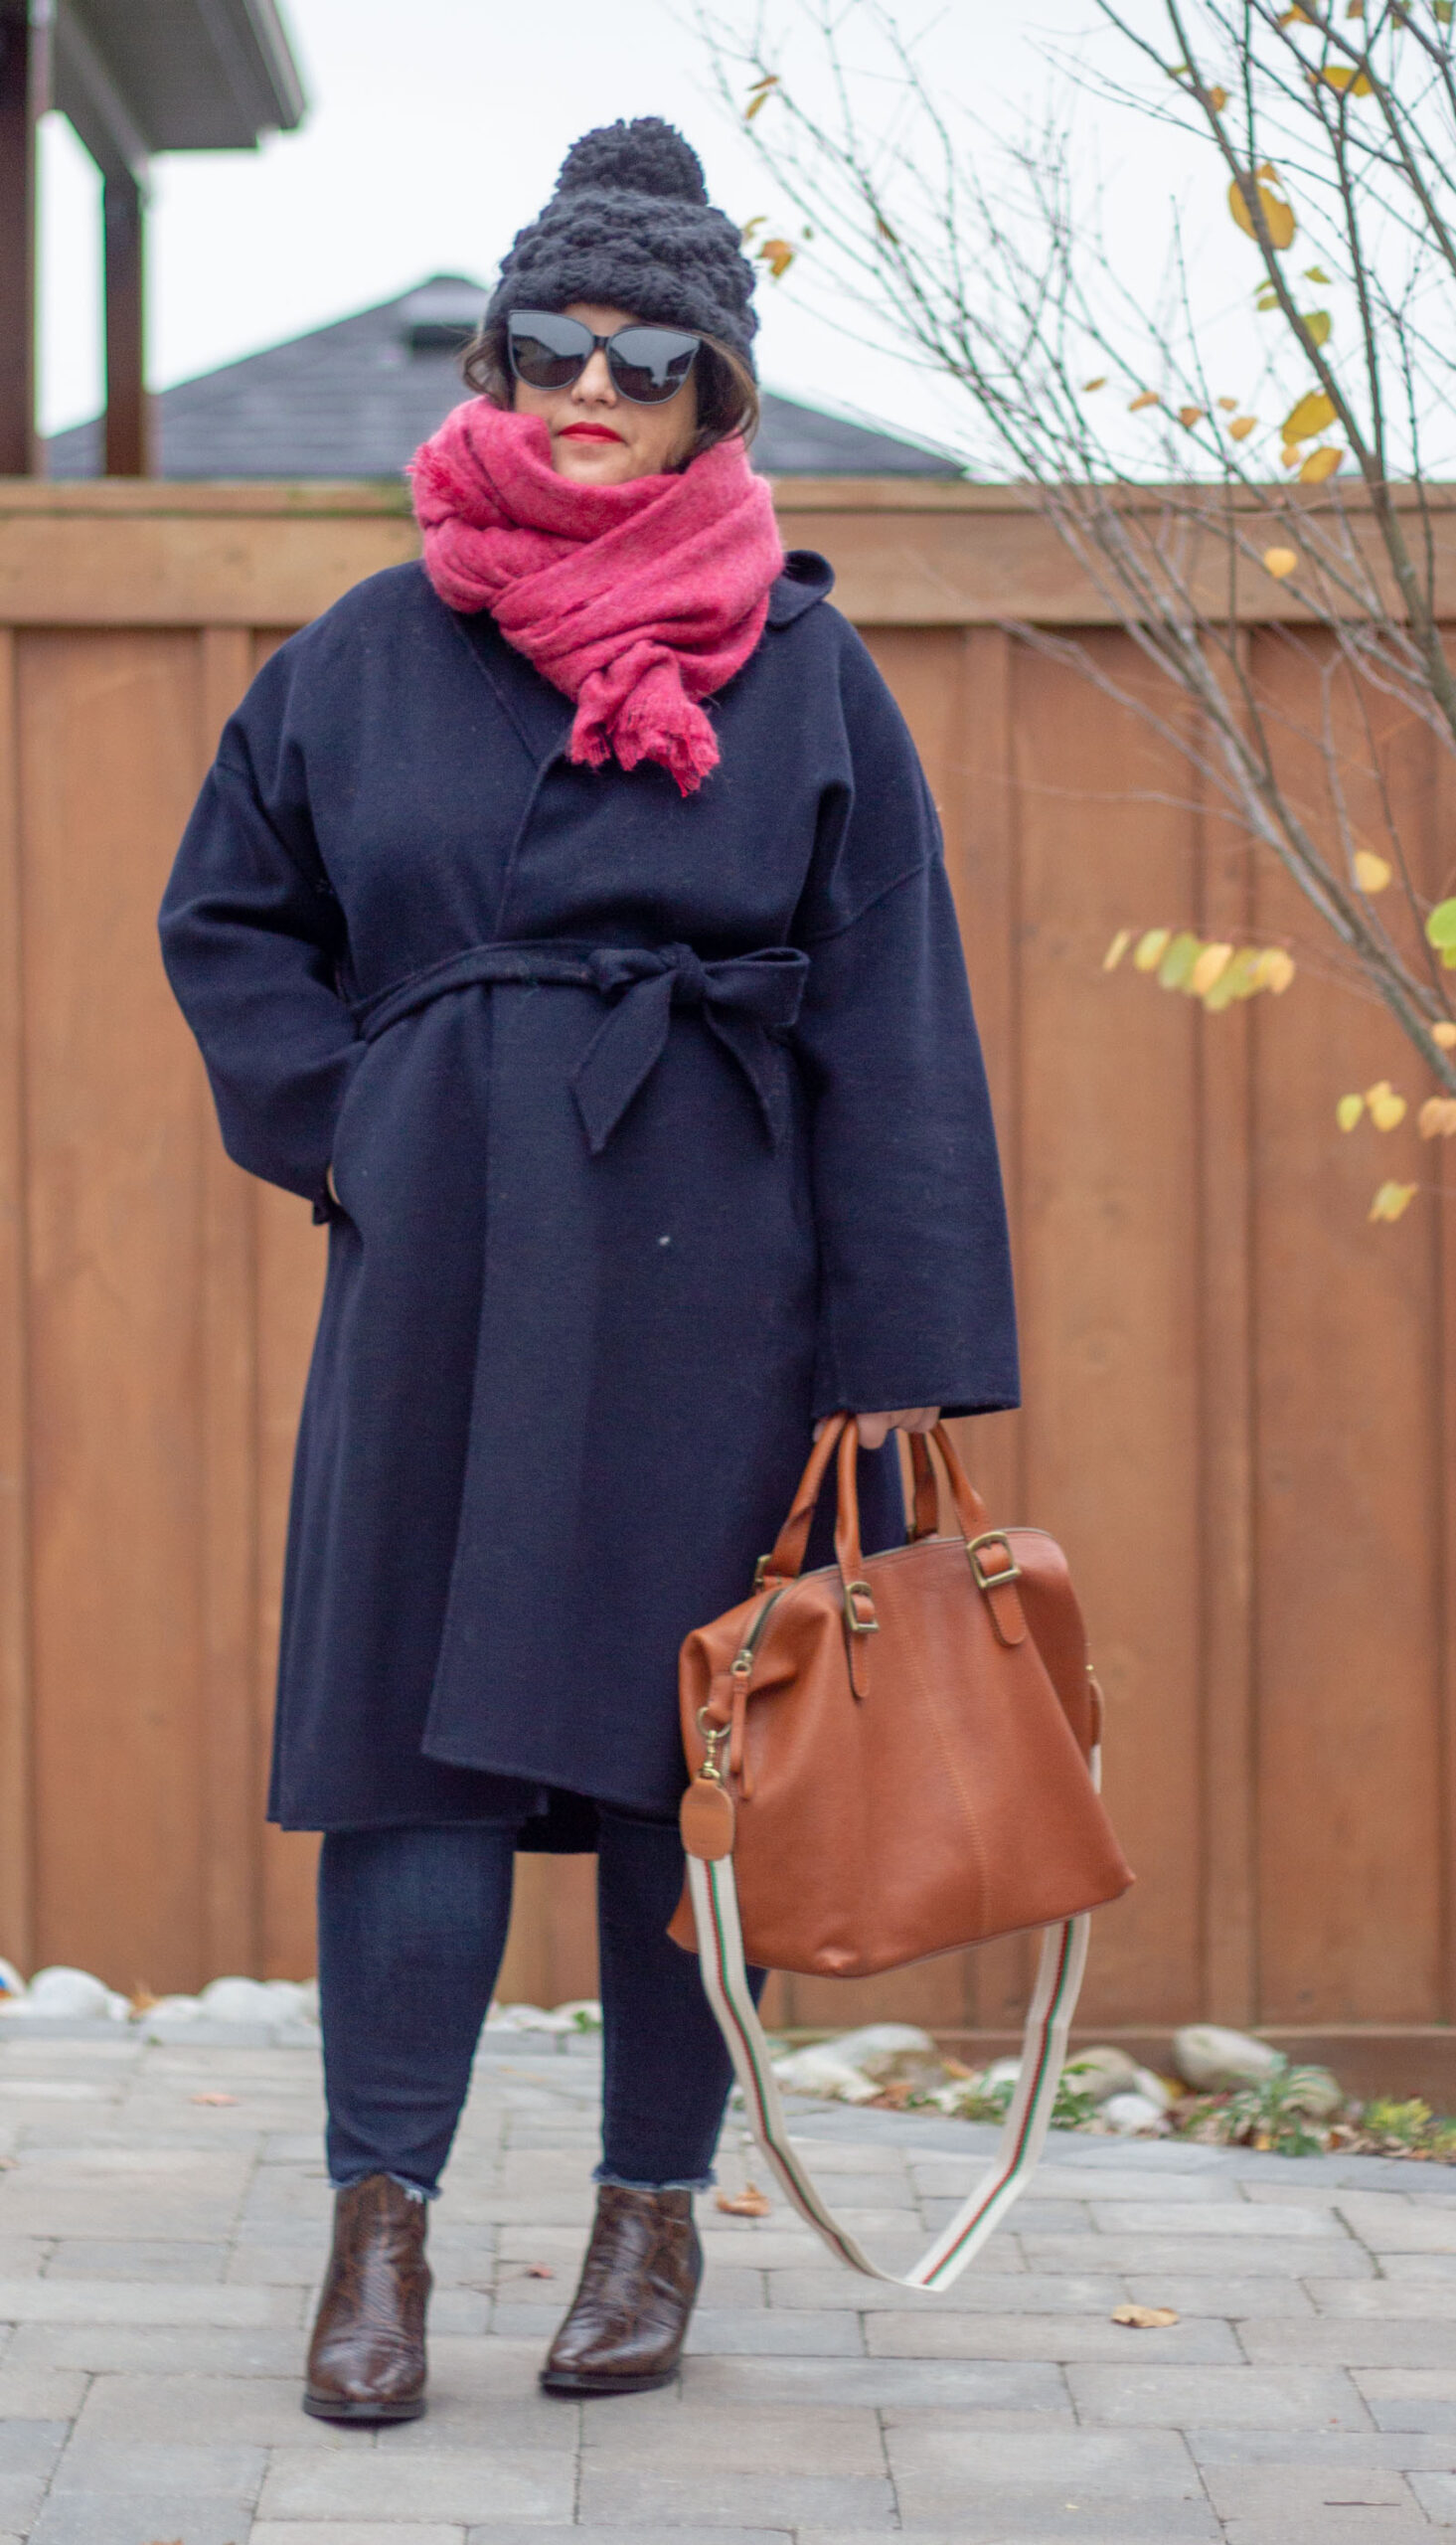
[(908, 1737)]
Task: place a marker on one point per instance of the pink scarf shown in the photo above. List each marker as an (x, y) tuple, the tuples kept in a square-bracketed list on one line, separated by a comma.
[(637, 600)]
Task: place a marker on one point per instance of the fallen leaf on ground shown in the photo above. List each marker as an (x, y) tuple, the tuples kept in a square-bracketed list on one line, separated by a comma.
[(541, 2270), (1145, 2319), (751, 2202), (213, 2098)]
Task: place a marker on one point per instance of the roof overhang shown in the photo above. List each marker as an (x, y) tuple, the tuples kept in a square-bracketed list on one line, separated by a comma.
[(135, 76)]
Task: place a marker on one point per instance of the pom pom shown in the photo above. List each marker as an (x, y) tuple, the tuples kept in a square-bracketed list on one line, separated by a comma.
[(645, 157)]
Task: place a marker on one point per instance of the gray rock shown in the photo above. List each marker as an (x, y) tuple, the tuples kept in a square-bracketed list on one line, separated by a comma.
[(1216, 2060), (1128, 2114), (1100, 2072)]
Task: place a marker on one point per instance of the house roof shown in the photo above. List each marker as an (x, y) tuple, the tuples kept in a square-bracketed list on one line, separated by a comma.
[(356, 399), (173, 74)]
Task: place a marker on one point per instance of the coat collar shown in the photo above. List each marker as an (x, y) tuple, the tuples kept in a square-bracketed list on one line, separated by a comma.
[(807, 577)]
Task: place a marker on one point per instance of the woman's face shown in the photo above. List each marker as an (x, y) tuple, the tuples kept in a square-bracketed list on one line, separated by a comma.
[(598, 437)]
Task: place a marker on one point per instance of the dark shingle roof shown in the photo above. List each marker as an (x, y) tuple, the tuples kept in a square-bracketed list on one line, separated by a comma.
[(356, 399)]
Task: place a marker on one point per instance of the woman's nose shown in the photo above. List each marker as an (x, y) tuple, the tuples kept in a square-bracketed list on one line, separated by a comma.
[(596, 382)]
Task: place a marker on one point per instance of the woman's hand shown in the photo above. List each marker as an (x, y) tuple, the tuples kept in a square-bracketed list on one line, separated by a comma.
[(876, 1428)]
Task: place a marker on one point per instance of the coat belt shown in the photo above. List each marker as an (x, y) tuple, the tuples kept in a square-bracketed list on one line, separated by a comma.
[(740, 999)]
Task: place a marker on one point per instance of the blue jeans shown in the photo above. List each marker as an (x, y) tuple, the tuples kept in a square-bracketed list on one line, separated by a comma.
[(412, 1925)]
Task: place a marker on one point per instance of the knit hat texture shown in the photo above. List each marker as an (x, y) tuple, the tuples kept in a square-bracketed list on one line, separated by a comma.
[(630, 224)]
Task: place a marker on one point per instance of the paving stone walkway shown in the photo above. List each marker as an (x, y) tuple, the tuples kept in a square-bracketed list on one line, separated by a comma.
[(162, 2221)]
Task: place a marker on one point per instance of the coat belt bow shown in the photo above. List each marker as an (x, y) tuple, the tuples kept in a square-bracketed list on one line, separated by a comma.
[(740, 999)]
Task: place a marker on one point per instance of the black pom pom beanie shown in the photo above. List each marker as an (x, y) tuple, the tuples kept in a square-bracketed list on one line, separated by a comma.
[(630, 224)]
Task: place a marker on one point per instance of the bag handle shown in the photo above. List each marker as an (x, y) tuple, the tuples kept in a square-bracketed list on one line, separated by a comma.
[(787, 1560), (1024, 2130)]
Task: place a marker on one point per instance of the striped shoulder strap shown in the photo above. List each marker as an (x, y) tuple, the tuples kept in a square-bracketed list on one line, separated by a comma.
[(725, 1981)]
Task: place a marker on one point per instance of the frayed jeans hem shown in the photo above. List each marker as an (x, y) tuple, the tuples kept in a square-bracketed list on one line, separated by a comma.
[(674, 2182)]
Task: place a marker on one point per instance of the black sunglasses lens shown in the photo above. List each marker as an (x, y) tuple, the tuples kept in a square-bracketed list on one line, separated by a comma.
[(650, 364), (548, 351)]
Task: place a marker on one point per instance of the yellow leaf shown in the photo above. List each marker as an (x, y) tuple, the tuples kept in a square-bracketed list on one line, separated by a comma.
[(751, 2202), (777, 255), (1242, 426), (1315, 325), (1217, 100), (1321, 463), (1388, 1110), (1371, 873), (1212, 965), (1099, 382), (1179, 961), (1117, 950), (1315, 274), (749, 228), (1391, 1200), (1145, 2319), (1190, 415), (1290, 455), (1276, 971), (1144, 398), (1313, 415), (1150, 948), (1224, 991), (1349, 1110), (1438, 1118), (759, 95), (1445, 1035), (1280, 562), (1344, 77), (1355, 9), (1228, 405), (1242, 976), (1266, 297), (1278, 215)]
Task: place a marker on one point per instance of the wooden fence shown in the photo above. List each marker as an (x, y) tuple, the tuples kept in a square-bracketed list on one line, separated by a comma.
[(1240, 1395)]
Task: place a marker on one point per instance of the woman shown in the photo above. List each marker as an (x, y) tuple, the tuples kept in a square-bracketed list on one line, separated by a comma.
[(565, 918)]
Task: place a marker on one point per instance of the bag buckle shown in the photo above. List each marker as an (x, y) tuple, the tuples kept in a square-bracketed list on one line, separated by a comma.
[(857, 1625), (1005, 1573)]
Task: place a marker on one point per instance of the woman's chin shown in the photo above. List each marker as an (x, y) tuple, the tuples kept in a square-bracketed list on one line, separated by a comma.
[(592, 463)]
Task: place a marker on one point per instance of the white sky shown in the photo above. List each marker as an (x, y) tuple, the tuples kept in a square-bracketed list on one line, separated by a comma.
[(434, 129)]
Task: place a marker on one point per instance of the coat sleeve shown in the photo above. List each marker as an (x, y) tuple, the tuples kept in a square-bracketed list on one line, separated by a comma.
[(915, 1290), (252, 939)]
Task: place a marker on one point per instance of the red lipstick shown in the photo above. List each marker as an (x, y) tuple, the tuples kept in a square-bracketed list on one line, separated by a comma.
[(587, 433)]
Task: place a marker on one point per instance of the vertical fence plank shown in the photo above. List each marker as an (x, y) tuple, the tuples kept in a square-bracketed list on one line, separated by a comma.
[(1228, 1973), (107, 725), (16, 1798), (232, 1907), (1108, 1281), (1349, 1761), (1438, 879), (984, 864)]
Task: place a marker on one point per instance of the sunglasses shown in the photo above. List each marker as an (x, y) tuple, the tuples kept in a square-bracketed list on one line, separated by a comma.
[(647, 365)]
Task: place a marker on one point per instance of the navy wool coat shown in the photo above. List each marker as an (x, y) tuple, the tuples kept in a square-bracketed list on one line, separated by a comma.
[(658, 1128)]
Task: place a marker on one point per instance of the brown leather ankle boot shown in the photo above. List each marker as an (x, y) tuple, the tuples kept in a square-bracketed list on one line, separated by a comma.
[(624, 2332), (366, 2361)]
